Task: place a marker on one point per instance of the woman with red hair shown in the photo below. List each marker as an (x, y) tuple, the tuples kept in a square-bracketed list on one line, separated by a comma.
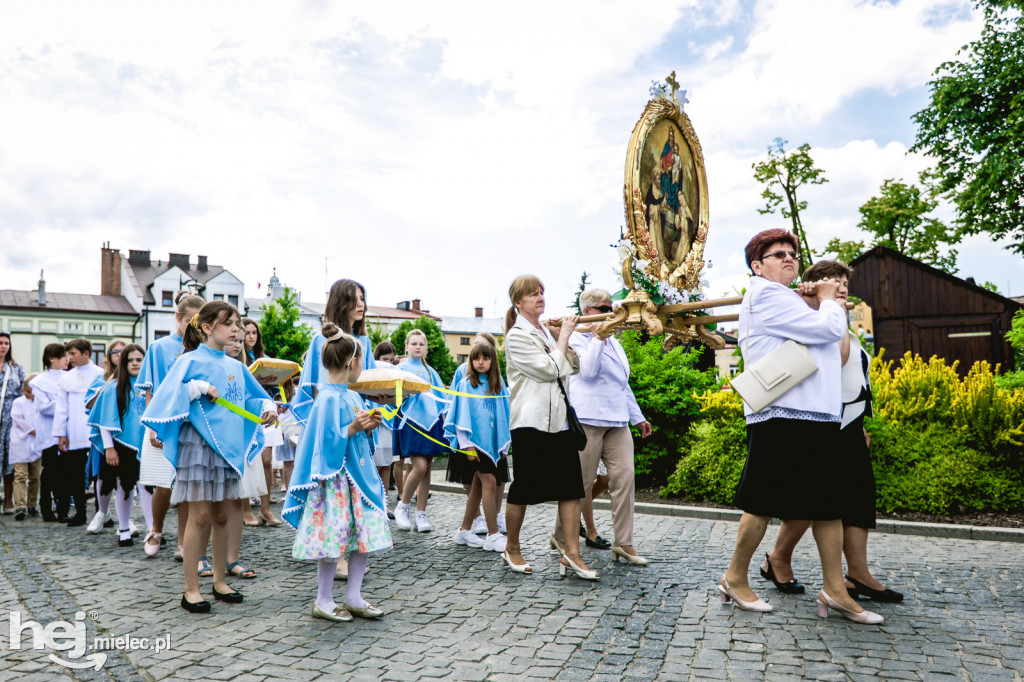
[(793, 466)]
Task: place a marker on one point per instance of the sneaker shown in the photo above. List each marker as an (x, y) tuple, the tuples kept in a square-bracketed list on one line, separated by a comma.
[(133, 528), (402, 516), (33, 512), (422, 524), (480, 526), (501, 523), (20, 513), (467, 537), (495, 543), (96, 525)]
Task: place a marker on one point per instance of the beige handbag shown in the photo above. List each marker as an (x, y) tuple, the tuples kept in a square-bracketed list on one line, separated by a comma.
[(772, 376)]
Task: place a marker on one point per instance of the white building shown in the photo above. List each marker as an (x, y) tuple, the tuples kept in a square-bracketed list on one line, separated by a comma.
[(151, 286)]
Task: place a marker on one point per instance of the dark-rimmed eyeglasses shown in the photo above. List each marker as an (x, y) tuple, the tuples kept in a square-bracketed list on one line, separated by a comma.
[(781, 255), (602, 308)]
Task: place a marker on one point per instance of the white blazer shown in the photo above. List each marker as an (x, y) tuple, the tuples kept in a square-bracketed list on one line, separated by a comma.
[(533, 364), (601, 392)]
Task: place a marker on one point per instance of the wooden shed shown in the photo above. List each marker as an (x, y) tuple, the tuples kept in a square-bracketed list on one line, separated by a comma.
[(926, 311)]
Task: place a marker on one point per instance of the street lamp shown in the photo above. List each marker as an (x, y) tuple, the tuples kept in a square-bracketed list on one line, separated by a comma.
[(193, 284)]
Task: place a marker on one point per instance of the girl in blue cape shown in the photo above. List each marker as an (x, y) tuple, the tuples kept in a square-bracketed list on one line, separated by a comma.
[(346, 309), (155, 472), (96, 455), (336, 501), (117, 434), (478, 430), (422, 415), (206, 442)]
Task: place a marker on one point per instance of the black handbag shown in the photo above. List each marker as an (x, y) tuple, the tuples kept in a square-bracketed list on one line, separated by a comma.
[(579, 436)]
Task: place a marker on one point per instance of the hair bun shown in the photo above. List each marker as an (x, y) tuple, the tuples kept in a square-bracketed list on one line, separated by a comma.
[(329, 329)]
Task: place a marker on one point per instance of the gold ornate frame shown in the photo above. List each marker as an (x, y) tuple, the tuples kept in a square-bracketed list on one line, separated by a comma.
[(684, 274)]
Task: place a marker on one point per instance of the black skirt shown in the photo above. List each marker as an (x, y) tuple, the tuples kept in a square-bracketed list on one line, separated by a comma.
[(793, 471), (547, 467), (126, 471), (858, 477), (461, 468)]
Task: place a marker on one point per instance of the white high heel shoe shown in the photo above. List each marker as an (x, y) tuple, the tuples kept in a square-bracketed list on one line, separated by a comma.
[(582, 573), (726, 595), (632, 560), (866, 617), (516, 568)]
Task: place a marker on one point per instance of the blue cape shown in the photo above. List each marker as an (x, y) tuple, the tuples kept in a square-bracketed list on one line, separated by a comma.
[(460, 374), (94, 388), (325, 449), (485, 420), (126, 430), (417, 408), (314, 374), (159, 359), (233, 437)]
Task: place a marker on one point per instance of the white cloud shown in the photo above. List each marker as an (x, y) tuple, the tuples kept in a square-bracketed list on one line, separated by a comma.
[(428, 149)]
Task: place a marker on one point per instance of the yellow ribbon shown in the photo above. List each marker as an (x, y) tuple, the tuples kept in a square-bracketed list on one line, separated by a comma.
[(239, 411)]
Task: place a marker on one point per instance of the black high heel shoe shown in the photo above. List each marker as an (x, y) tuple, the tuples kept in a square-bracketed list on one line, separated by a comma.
[(790, 587), (886, 595), (195, 606)]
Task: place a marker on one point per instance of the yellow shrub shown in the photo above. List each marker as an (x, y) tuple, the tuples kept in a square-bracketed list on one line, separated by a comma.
[(915, 390), (725, 406), (987, 412)]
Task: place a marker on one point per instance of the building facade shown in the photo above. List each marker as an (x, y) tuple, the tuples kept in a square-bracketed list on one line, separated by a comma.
[(36, 318), (459, 332), (150, 286)]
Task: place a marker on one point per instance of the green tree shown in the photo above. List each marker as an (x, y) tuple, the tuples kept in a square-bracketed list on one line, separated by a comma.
[(584, 282), (376, 333), (973, 127), (898, 218), (783, 174), (283, 336), (438, 356), (845, 251)]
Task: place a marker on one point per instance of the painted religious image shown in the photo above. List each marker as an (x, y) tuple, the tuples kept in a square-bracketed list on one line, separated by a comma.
[(668, 182)]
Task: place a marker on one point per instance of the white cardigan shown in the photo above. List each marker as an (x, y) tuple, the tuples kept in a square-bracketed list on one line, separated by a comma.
[(777, 314), (533, 363)]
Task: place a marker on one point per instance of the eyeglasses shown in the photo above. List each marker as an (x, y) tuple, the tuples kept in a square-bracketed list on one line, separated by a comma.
[(781, 255), (116, 352), (602, 308)]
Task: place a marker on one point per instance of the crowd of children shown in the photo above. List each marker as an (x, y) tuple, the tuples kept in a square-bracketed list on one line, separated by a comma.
[(185, 423)]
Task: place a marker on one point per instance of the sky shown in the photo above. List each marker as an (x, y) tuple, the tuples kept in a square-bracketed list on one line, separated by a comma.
[(436, 150)]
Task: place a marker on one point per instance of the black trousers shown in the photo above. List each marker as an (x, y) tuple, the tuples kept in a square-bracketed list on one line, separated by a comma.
[(48, 481), (71, 481)]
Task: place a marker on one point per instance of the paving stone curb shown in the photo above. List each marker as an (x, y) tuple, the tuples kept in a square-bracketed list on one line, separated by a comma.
[(935, 530)]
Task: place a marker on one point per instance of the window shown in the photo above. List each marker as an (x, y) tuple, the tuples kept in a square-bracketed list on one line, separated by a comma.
[(98, 351), (167, 299), (464, 341), (233, 300), (218, 297), (97, 328), (73, 327), (462, 358), (160, 335)]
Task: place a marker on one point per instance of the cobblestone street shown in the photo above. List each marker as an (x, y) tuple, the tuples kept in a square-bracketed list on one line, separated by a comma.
[(456, 613)]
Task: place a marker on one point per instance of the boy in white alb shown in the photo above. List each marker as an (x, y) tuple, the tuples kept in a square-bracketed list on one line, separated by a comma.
[(71, 429), (46, 392)]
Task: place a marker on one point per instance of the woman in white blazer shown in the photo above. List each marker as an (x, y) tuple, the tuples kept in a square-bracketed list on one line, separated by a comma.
[(606, 406), (546, 464)]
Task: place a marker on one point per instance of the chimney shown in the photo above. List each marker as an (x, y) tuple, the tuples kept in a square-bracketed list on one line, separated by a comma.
[(179, 259), (110, 271), (202, 266), (42, 289), (402, 305), (140, 258), (478, 312), (415, 304)]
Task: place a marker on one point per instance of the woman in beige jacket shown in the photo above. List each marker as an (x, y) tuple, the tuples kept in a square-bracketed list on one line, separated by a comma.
[(546, 463)]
